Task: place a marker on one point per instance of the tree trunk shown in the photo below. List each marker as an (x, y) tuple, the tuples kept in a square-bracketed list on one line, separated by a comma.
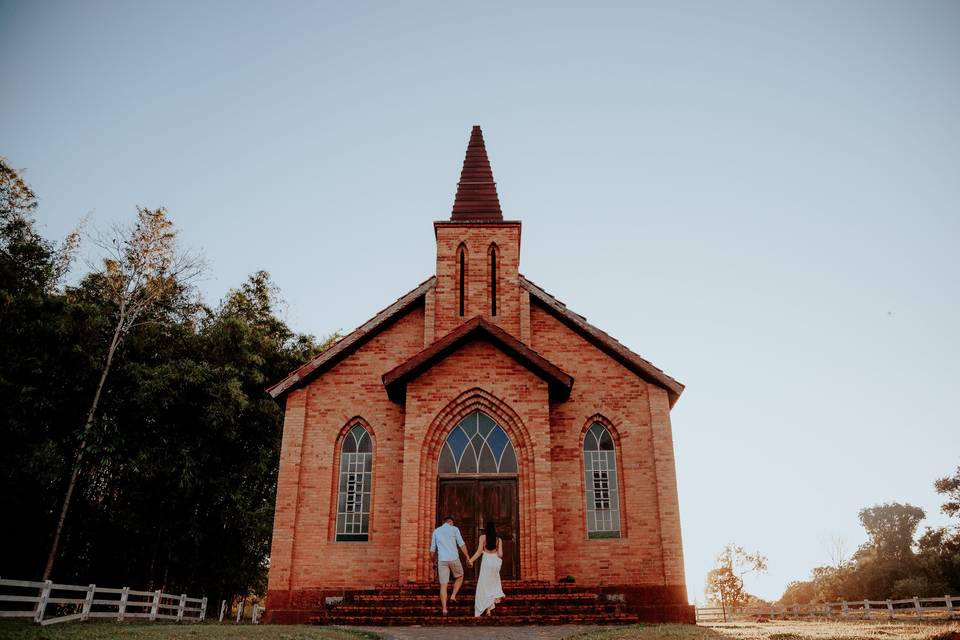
[(88, 424)]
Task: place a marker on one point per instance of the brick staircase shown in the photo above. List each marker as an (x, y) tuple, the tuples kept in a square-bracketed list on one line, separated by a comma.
[(527, 602)]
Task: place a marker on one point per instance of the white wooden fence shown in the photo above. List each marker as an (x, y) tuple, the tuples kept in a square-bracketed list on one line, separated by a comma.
[(913, 608), (49, 603)]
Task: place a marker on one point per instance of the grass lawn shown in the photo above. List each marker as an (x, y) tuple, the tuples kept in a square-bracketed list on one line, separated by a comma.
[(21, 630), (783, 630), (774, 630)]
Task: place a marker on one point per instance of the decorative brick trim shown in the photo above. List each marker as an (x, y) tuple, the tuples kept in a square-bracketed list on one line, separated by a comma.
[(621, 478), (477, 399), (397, 378), (335, 479)]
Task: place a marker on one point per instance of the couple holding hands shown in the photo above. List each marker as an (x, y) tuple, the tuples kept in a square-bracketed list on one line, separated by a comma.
[(445, 547)]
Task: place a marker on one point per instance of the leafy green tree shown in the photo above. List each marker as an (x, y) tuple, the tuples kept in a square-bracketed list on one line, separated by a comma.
[(949, 486), (178, 477), (143, 271), (891, 528), (43, 367), (799, 592)]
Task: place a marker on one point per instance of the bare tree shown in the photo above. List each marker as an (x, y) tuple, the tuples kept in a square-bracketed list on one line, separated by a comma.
[(725, 580), (142, 270), (836, 547)]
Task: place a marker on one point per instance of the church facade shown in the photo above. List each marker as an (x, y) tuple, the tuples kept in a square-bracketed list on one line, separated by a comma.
[(479, 395)]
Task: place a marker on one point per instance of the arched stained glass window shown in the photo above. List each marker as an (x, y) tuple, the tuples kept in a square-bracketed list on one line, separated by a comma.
[(600, 471), (353, 502), (477, 445)]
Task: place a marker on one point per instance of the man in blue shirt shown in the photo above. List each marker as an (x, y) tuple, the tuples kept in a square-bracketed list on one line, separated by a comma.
[(443, 549)]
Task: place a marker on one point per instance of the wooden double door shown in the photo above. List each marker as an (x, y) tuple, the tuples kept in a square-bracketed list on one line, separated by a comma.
[(474, 501)]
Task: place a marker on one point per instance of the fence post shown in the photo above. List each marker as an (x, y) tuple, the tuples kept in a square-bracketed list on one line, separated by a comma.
[(88, 602), (203, 609), (240, 610), (42, 604), (866, 609), (890, 608), (223, 608), (949, 602), (845, 610), (183, 603), (124, 595), (916, 605), (155, 607)]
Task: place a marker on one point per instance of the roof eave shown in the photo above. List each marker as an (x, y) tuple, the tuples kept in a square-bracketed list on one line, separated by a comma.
[(351, 342), (605, 342), (395, 381)]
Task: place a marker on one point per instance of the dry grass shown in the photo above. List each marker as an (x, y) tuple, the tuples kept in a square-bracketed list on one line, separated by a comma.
[(784, 630)]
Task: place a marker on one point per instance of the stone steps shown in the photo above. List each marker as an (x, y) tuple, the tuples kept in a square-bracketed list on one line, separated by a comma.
[(526, 603), (386, 600), (494, 620)]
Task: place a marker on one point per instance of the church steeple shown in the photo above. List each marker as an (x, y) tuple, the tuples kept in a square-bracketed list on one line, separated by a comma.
[(476, 198)]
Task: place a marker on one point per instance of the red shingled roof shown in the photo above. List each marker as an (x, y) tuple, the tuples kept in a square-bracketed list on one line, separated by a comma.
[(477, 328), (352, 341), (604, 341), (476, 198)]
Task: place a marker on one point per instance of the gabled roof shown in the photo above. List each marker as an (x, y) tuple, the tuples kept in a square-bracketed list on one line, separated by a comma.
[(476, 198), (352, 341), (397, 378), (605, 342)]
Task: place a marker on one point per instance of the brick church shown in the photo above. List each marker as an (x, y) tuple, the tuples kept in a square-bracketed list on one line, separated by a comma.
[(478, 394)]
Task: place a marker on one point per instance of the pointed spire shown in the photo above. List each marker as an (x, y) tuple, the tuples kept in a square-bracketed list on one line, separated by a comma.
[(476, 192)]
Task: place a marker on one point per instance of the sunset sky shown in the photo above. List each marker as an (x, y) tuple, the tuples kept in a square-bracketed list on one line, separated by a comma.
[(762, 198)]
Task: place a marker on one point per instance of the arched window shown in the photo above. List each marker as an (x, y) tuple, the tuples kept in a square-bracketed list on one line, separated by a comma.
[(463, 276), (353, 502), (603, 494), (477, 446), (493, 279)]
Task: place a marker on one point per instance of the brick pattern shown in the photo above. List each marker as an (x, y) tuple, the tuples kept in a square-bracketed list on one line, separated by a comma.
[(304, 552), (547, 436), (606, 391), (477, 238), (478, 376)]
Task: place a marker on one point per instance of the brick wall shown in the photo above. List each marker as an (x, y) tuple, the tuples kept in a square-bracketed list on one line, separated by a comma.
[(478, 376), (304, 553), (637, 414), (547, 437), (477, 239)]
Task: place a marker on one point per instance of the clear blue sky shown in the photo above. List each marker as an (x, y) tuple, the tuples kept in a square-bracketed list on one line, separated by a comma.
[(763, 198)]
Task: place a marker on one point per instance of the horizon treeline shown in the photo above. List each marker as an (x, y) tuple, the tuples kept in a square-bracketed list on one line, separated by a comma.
[(894, 562), (176, 483)]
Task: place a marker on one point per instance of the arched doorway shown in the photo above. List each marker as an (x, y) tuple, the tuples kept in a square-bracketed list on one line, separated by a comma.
[(477, 482)]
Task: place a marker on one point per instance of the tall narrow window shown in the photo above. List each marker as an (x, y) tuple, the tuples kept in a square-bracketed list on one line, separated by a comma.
[(463, 279), (493, 281), (600, 471), (353, 502)]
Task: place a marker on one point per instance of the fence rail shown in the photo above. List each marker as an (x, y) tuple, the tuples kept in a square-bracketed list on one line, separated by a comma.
[(913, 608), (50, 603)]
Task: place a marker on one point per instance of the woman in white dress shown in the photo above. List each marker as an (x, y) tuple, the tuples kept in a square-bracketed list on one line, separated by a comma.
[(489, 590)]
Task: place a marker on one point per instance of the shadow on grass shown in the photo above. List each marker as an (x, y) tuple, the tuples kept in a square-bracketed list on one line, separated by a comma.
[(23, 630)]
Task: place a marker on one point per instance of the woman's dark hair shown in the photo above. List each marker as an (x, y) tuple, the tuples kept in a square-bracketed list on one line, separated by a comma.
[(490, 531)]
